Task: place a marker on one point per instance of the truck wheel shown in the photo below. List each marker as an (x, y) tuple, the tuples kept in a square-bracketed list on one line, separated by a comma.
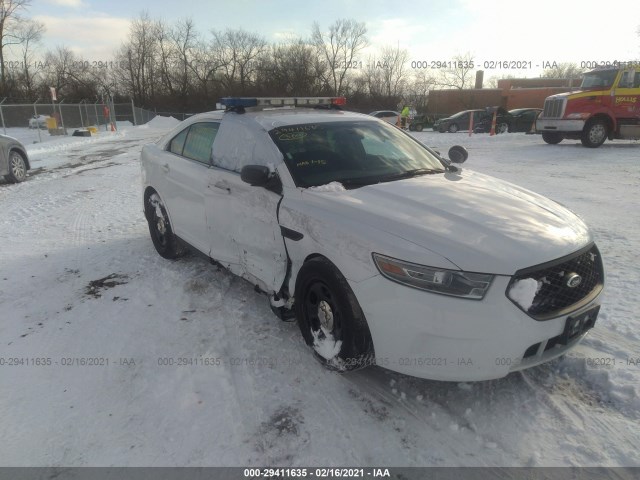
[(594, 134), (418, 127), (552, 138)]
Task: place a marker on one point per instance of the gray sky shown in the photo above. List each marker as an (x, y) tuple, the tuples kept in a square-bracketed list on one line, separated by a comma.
[(491, 30)]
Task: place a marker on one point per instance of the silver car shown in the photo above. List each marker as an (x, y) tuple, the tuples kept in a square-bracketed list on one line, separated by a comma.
[(14, 161)]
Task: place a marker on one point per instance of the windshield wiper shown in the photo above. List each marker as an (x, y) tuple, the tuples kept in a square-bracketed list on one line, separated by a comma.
[(409, 174), (362, 181)]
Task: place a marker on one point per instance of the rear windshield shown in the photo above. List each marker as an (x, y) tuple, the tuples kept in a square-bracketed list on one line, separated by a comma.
[(365, 152)]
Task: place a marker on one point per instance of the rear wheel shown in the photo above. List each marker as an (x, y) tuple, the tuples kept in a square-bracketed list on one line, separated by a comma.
[(594, 134), (162, 236), (552, 138), (418, 127), (330, 319), (17, 168), (502, 127)]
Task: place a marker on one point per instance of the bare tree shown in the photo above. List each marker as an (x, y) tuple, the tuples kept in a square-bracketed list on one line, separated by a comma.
[(204, 65), (137, 60), (240, 52), (291, 69), (339, 48), (418, 89), (185, 40), (30, 34), (10, 22), (563, 70), (459, 73), (387, 74)]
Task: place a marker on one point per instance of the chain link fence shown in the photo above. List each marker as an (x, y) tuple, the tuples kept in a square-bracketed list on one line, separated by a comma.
[(72, 115)]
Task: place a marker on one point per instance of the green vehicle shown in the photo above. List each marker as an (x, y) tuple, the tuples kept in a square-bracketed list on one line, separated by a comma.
[(420, 122)]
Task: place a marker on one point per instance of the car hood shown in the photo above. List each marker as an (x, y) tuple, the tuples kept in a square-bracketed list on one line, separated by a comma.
[(477, 222)]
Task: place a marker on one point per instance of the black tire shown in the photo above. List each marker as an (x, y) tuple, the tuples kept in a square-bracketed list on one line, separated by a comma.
[(594, 133), (418, 127), (411, 127), (502, 127), (552, 138), (162, 235), (453, 128), (321, 290), (17, 167)]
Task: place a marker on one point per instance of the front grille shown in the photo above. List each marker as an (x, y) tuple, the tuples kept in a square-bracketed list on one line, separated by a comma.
[(554, 296), (553, 108)]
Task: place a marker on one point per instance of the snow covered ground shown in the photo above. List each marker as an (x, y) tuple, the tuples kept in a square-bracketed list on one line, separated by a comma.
[(161, 363)]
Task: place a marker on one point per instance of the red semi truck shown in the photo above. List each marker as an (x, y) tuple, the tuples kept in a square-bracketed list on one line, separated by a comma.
[(607, 105)]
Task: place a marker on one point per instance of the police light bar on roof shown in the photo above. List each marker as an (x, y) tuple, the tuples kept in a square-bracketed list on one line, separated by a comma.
[(246, 102)]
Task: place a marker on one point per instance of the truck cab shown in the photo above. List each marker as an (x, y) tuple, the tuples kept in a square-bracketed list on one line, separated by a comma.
[(607, 106)]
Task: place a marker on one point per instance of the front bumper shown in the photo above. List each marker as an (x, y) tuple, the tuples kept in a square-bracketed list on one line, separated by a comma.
[(559, 125), (438, 337)]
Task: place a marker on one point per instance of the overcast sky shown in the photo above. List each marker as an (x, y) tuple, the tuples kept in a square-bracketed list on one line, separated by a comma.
[(531, 31)]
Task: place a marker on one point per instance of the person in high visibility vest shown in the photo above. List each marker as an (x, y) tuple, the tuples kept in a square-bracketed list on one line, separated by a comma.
[(404, 116)]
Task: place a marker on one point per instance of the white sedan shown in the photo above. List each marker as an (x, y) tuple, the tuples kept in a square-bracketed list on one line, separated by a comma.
[(384, 252), (39, 121)]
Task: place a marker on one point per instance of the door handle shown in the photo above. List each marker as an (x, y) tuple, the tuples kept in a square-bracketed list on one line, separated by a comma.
[(165, 168), (222, 185)]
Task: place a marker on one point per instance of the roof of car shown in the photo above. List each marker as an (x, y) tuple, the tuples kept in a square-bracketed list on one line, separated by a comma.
[(278, 117)]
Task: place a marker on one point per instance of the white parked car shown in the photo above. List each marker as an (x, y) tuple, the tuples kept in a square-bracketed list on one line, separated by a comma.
[(388, 116), (383, 251), (39, 121)]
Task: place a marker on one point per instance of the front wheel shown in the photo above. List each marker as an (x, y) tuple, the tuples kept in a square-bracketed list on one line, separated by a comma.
[(17, 168), (418, 127), (453, 128), (162, 236), (502, 127), (330, 319), (594, 133), (552, 138)]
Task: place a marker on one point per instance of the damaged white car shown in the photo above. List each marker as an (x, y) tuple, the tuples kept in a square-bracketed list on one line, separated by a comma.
[(382, 251)]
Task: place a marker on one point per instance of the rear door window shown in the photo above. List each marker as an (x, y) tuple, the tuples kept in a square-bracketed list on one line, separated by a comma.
[(199, 142)]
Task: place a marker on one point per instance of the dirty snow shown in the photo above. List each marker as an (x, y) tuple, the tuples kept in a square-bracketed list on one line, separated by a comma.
[(121, 357)]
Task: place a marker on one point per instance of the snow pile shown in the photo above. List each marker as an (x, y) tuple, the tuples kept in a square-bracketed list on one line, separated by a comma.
[(524, 291), (329, 187), (162, 122)]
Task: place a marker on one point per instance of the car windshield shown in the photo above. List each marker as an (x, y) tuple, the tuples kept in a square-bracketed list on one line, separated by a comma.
[(353, 153), (604, 78)]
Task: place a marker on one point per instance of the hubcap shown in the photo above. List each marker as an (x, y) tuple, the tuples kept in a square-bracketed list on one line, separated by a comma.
[(320, 307), (159, 220), (17, 166), (597, 133), (325, 315), (161, 226)]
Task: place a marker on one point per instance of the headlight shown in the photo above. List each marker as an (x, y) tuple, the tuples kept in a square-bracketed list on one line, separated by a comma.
[(437, 280)]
